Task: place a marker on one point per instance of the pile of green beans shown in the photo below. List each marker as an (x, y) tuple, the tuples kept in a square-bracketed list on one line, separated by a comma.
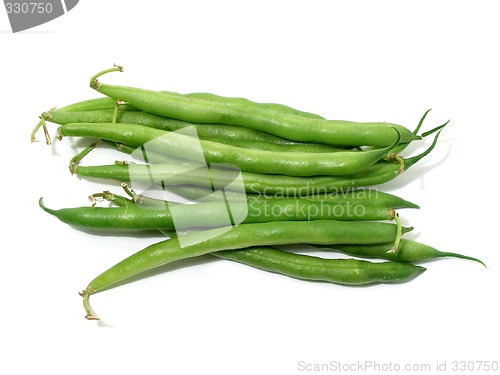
[(257, 177)]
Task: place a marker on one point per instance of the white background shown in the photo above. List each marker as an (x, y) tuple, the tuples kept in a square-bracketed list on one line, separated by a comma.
[(358, 60)]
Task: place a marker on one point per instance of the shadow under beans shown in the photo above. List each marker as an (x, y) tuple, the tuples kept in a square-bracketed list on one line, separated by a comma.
[(418, 171)]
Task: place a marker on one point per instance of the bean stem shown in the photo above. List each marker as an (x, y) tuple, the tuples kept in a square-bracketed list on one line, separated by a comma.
[(41, 124), (397, 159), (73, 163), (86, 294), (399, 233), (105, 195), (93, 80), (118, 104)]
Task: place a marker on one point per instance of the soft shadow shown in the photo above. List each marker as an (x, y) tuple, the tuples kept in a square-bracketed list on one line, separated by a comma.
[(418, 171)]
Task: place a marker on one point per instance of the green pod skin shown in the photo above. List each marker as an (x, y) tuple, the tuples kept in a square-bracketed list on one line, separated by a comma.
[(373, 198), (204, 131), (289, 126), (260, 161), (365, 197), (156, 157), (245, 103), (326, 232), (104, 103), (267, 146), (361, 197), (132, 217), (307, 267), (127, 218), (409, 251)]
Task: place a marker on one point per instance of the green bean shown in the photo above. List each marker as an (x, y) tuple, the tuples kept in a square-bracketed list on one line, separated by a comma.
[(307, 267), (261, 161), (110, 103), (156, 157), (238, 237), (409, 251), (360, 197), (293, 127), (172, 215)]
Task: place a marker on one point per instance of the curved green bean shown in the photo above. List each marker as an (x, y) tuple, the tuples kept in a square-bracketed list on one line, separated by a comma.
[(307, 267), (261, 161), (172, 215), (238, 237), (361, 197), (293, 127)]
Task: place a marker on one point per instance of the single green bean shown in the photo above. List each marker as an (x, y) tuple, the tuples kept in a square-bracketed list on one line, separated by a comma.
[(260, 161), (409, 251), (172, 215), (360, 197), (150, 156), (307, 267), (293, 127)]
